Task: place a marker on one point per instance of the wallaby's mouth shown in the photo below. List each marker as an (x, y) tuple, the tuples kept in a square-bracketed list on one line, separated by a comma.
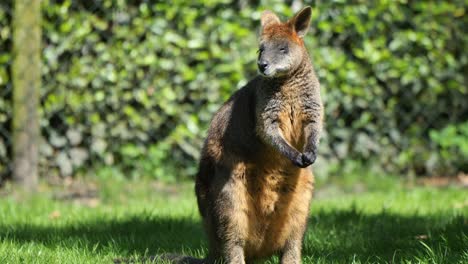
[(266, 72), (271, 72)]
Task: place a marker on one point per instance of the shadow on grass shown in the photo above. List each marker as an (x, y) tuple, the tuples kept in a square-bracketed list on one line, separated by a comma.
[(338, 236), (348, 235), (128, 236)]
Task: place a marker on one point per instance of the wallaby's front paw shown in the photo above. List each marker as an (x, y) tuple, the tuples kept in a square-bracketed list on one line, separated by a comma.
[(303, 160), (298, 160), (308, 158)]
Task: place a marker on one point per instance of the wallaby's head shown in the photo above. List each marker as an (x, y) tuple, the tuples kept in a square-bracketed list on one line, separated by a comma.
[(282, 47)]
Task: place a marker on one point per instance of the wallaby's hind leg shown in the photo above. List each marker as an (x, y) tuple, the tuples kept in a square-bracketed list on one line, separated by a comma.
[(228, 223), (292, 252), (203, 191), (203, 183), (225, 243), (234, 254)]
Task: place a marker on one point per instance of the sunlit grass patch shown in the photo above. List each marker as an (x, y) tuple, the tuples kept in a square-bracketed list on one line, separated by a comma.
[(139, 219)]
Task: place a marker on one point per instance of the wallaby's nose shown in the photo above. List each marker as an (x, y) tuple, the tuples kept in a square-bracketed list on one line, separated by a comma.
[(262, 65)]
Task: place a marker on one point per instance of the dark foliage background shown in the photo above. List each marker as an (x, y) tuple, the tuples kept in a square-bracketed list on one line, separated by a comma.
[(132, 85)]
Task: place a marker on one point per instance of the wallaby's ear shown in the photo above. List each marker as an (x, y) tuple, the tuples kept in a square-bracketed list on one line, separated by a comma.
[(269, 17), (301, 21)]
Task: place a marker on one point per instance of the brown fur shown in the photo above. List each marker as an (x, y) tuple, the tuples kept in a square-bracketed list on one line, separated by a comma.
[(252, 187)]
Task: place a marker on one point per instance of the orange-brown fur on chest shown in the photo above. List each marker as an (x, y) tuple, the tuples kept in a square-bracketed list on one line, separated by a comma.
[(273, 201)]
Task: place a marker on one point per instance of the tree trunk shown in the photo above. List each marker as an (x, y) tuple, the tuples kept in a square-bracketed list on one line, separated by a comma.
[(26, 75)]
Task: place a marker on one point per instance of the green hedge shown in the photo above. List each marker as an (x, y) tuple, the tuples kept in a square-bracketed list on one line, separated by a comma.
[(134, 84), (5, 88), (393, 73)]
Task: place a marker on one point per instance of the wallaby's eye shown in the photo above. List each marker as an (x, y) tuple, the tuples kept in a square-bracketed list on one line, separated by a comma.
[(284, 49), (260, 50)]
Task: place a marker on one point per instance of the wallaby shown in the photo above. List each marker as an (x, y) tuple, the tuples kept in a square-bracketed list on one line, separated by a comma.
[(253, 188)]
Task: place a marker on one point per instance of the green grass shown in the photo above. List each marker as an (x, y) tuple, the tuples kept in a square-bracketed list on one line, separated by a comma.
[(388, 223)]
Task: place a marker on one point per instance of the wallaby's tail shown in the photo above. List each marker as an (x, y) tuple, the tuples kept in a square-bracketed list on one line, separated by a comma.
[(164, 258)]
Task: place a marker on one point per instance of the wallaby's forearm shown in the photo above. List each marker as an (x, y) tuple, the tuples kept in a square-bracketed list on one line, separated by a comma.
[(313, 118), (272, 136)]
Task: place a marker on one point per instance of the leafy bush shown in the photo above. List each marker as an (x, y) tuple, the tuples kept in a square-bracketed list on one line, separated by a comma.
[(392, 71), (5, 87), (134, 84), (452, 145), (138, 85)]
